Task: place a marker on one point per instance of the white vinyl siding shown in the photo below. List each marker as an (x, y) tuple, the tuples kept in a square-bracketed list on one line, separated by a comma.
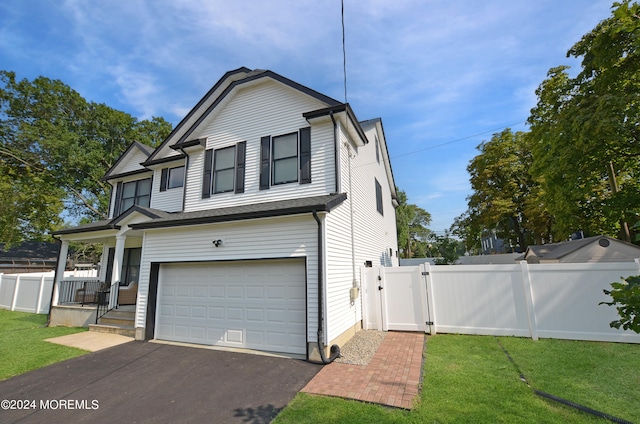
[(266, 109), (374, 234), (131, 163), (168, 200), (273, 238), (341, 314)]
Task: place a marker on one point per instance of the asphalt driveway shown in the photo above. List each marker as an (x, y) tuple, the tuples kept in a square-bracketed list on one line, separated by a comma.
[(140, 382)]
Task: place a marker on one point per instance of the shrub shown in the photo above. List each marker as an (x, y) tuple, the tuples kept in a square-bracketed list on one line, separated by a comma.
[(626, 298)]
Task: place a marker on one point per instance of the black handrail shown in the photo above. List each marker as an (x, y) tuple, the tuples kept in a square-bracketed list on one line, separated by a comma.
[(103, 299)]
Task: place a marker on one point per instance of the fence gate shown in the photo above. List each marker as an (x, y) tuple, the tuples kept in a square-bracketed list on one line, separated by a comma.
[(396, 299)]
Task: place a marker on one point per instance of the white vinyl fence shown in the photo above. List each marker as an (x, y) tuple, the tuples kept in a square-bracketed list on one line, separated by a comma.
[(26, 292), (528, 300)]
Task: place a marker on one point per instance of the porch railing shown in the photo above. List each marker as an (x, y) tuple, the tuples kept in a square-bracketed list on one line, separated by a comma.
[(83, 291), (104, 301)]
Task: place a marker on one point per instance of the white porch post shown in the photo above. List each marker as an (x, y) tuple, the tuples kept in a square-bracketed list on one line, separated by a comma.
[(62, 265), (117, 267)]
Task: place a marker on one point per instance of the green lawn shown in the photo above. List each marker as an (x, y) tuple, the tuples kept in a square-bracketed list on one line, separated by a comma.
[(22, 345), (469, 379)]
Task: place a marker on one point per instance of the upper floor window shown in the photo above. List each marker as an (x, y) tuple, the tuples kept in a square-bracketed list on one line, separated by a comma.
[(285, 159), (172, 178), (224, 165), (224, 170), (377, 150), (379, 197), (132, 193)]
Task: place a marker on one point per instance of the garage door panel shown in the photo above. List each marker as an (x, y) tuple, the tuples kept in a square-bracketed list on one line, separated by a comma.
[(198, 333), (199, 312), (215, 335), (255, 315), (216, 312), (216, 292), (255, 292), (254, 304), (235, 314), (199, 291)]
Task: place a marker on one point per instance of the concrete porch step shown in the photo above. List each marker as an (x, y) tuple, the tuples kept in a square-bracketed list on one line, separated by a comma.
[(117, 321), (118, 313), (124, 330), (124, 321), (121, 317)]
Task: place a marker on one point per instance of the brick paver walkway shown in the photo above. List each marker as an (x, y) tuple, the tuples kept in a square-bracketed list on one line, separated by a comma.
[(391, 378)]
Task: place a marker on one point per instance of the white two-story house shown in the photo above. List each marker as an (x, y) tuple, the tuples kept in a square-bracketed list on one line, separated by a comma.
[(248, 226)]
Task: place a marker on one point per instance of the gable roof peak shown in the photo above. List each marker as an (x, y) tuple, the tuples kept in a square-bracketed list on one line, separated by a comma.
[(145, 149)]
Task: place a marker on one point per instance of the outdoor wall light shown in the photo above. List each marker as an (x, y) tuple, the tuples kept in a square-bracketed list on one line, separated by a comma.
[(217, 243)]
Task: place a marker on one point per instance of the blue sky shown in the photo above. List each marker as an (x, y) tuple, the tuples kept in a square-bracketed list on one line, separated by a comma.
[(442, 75)]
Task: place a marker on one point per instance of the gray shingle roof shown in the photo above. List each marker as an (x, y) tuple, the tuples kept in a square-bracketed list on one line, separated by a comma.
[(256, 210), (112, 224), (162, 219)]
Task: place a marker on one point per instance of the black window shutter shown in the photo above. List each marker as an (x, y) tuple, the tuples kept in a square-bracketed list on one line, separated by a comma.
[(305, 155), (206, 175), (265, 162), (163, 179), (116, 208), (241, 150)]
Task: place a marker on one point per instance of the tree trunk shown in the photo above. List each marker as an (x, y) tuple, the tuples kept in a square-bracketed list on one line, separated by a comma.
[(625, 235)]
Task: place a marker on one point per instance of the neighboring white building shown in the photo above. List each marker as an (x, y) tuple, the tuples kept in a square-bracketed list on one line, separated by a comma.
[(248, 226)]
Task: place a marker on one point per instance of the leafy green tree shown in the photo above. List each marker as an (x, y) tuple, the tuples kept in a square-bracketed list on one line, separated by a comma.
[(626, 298), (447, 249), (587, 141), (30, 204), (54, 148), (505, 197), (468, 231), (411, 223)]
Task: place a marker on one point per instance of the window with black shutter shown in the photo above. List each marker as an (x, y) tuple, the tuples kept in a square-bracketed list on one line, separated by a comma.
[(379, 197)]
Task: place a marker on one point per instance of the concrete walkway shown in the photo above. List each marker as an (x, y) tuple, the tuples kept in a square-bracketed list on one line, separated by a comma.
[(91, 340), (392, 377)]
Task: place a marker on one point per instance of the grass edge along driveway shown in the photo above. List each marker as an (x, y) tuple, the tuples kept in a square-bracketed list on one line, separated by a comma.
[(22, 345), (469, 379)]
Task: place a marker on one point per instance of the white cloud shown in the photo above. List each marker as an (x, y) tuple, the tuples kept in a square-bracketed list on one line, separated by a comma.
[(138, 89)]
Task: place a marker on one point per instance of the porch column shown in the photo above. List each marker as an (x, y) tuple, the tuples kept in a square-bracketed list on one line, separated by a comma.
[(117, 268), (62, 265)]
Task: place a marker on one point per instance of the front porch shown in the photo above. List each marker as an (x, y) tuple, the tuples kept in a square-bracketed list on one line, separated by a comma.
[(106, 301), (87, 302)]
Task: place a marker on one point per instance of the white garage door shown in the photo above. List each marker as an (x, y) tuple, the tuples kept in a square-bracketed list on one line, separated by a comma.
[(257, 305)]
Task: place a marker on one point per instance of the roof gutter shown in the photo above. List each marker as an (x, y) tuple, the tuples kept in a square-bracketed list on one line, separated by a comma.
[(335, 349)]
